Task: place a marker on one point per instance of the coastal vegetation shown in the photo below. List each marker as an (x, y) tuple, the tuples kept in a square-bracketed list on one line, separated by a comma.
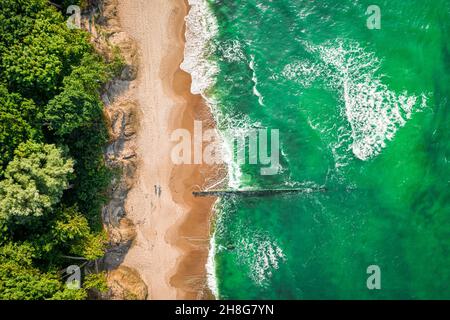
[(53, 178)]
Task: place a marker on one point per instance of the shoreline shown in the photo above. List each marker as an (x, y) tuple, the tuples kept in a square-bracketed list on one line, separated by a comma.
[(171, 248)]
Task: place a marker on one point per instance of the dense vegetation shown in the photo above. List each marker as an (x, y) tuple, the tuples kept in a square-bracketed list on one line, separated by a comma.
[(52, 173)]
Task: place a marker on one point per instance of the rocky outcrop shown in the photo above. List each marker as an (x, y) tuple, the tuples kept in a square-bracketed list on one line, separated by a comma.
[(122, 116), (125, 284)]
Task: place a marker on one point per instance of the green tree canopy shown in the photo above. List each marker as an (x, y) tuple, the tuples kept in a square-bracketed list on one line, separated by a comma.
[(19, 280), (70, 234), (37, 65), (34, 181), (17, 19), (78, 104), (16, 124), (50, 109)]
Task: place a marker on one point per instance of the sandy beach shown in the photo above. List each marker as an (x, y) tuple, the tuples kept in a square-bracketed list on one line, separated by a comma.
[(171, 247)]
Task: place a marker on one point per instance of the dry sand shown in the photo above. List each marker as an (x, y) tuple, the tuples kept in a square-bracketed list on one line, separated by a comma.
[(171, 247)]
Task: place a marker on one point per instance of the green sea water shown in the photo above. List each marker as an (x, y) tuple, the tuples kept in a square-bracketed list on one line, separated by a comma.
[(363, 112)]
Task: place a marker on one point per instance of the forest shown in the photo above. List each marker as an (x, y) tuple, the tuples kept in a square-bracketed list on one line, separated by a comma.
[(53, 178)]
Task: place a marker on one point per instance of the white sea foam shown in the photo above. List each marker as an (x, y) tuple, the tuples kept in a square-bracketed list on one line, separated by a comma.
[(201, 28), (373, 111), (234, 172), (211, 268), (303, 72), (255, 81), (262, 7), (231, 51), (262, 255), (235, 129)]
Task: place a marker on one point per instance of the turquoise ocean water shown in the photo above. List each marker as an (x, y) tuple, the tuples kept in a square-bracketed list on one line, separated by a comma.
[(363, 112)]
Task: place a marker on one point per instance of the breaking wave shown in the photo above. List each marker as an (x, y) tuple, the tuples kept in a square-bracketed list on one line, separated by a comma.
[(373, 111), (262, 255), (201, 28)]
